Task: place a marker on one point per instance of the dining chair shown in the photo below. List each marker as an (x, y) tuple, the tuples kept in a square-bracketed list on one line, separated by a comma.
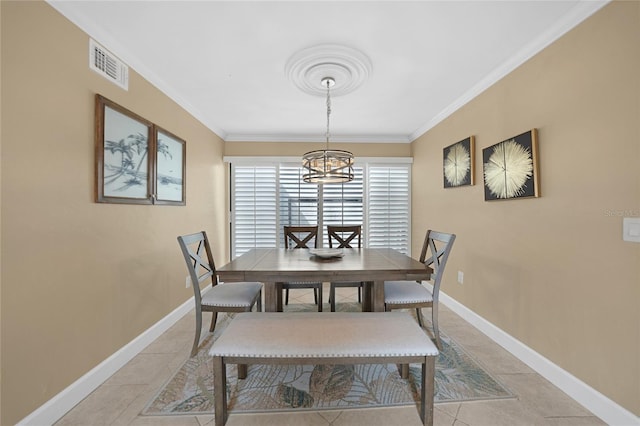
[(344, 237), (413, 294), (297, 237), (221, 297)]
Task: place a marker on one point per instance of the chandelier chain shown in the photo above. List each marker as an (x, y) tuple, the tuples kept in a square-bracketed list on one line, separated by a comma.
[(328, 109)]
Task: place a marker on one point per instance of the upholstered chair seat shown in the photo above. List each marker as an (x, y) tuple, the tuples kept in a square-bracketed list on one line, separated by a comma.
[(414, 295)]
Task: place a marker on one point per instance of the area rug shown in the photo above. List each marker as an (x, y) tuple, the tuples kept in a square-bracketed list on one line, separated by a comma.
[(281, 387)]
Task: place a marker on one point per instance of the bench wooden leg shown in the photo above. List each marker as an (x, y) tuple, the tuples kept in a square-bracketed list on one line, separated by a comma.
[(219, 390), (242, 371), (428, 390), (403, 369)]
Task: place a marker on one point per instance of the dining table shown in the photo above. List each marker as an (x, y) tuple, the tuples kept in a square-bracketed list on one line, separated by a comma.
[(372, 266)]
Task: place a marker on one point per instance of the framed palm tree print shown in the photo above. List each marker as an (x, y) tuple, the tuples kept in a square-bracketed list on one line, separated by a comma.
[(137, 162), (123, 142), (169, 171)]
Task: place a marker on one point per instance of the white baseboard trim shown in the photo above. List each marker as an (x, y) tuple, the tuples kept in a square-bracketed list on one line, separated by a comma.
[(603, 407), (53, 410)]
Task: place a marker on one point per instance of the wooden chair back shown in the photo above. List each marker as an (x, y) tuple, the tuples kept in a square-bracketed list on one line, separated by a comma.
[(236, 297), (300, 237), (435, 253), (197, 254), (343, 236)]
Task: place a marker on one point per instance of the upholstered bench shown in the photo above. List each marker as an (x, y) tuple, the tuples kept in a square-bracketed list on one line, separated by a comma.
[(323, 338)]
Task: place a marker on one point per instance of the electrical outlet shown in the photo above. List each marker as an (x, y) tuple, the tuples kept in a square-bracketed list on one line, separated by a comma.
[(460, 277), (187, 282)]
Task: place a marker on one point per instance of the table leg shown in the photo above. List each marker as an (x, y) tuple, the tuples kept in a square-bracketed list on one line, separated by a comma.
[(219, 391), (279, 297), (378, 296), (367, 293), (271, 296)]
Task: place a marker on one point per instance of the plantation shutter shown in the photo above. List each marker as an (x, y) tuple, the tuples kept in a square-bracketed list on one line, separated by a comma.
[(389, 207), (298, 200), (342, 203), (270, 195), (253, 208)]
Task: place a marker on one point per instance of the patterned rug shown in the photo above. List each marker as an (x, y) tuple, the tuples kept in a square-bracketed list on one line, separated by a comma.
[(282, 388)]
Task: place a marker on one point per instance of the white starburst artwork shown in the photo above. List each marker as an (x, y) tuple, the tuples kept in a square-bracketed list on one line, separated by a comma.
[(508, 169), (457, 164)]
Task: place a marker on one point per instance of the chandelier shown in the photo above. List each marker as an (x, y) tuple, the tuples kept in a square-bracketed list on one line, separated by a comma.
[(328, 165)]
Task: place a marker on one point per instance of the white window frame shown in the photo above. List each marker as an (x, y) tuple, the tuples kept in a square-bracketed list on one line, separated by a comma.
[(364, 162)]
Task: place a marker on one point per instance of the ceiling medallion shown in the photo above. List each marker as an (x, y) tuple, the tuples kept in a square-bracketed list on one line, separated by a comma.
[(349, 68)]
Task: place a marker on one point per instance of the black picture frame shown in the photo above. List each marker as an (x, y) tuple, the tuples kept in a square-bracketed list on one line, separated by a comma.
[(510, 168), (458, 163)]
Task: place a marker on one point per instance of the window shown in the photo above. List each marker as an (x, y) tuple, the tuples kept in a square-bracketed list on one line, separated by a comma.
[(268, 194), (389, 207), (343, 204), (254, 208)]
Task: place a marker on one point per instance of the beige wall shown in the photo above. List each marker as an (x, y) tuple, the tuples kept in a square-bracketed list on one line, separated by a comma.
[(554, 271), (79, 279), (0, 216), (97, 275)]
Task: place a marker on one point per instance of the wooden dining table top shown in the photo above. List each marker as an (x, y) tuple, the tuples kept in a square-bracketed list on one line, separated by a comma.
[(371, 265)]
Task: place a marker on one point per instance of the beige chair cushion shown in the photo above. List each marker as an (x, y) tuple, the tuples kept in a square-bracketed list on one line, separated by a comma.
[(401, 292), (234, 295)]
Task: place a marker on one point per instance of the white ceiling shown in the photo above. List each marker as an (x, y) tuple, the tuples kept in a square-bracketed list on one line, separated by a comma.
[(224, 61)]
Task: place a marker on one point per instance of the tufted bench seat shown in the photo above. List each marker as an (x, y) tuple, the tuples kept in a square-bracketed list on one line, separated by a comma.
[(323, 338)]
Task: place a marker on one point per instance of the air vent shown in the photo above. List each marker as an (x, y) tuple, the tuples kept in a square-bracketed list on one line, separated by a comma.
[(108, 65)]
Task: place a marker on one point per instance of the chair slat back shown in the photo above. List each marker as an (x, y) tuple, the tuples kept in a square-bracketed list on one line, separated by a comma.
[(343, 236), (438, 246), (197, 255), (296, 237)]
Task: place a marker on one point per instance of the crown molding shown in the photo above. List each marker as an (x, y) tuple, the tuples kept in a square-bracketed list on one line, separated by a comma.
[(581, 11), (239, 137), (252, 160), (66, 9)]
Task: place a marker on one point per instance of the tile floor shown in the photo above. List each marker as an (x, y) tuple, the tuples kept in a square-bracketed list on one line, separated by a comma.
[(122, 397)]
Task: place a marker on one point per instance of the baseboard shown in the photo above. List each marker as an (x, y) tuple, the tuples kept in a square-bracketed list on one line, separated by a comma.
[(607, 410), (51, 411), (603, 407)]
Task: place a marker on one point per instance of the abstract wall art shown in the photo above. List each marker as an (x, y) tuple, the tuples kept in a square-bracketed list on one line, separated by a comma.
[(510, 168)]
